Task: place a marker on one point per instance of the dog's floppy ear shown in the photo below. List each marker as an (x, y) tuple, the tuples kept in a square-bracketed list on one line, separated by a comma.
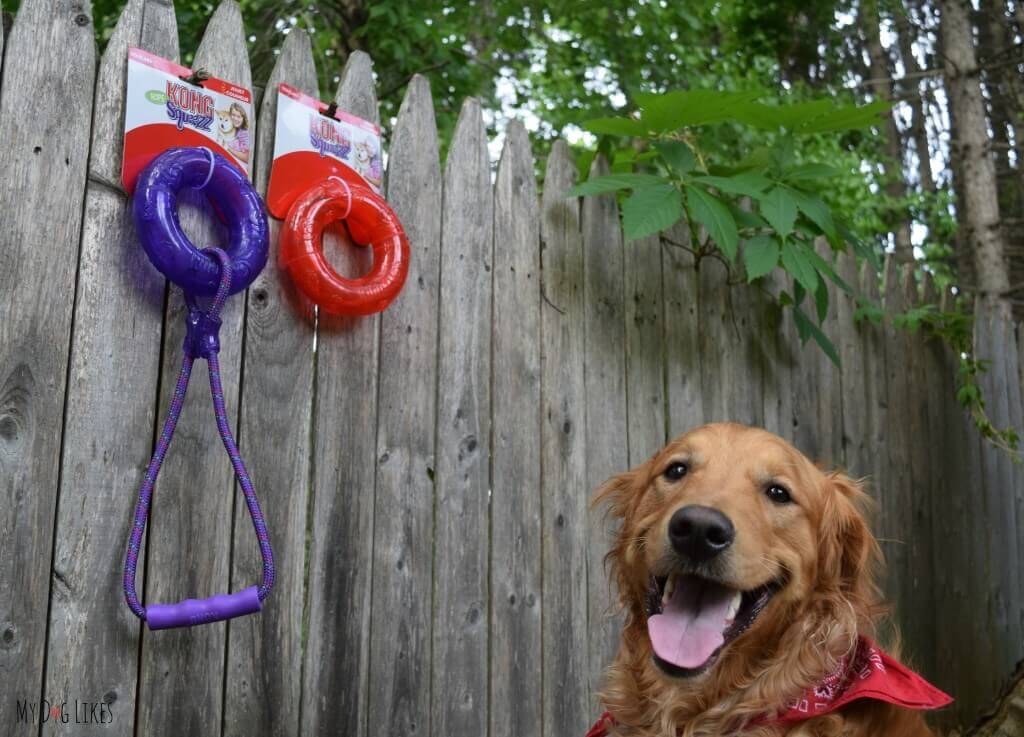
[(615, 494), (850, 555), (618, 493)]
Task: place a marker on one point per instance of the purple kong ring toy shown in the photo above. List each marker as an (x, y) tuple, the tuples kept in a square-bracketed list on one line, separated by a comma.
[(155, 209)]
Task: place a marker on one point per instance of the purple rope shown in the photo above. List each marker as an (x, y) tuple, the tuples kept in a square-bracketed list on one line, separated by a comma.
[(200, 342)]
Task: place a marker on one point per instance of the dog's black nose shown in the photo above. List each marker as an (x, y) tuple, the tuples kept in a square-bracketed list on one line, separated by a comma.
[(700, 533)]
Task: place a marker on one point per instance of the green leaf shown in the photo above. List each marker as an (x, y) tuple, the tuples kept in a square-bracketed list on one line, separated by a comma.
[(824, 267), (685, 108), (677, 155), (748, 183), (745, 218), (815, 209), (847, 118), (864, 250), (779, 208), (712, 213), (772, 117), (807, 172), (795, 262), (805, 327), (616, 127), (821, 300), (761, 255), (651, 210), (613, 183)]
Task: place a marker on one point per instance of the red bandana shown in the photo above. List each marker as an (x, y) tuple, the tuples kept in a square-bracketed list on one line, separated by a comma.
[(868, 674)]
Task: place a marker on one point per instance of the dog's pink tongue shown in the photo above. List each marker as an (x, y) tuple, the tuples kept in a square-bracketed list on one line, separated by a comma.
[(691, 625)]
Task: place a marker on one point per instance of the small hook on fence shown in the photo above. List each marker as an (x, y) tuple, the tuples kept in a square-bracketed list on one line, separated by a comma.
[(197, 77)]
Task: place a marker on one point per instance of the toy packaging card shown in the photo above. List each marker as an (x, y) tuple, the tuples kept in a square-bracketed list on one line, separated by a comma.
[(163, 110), (309, 147)]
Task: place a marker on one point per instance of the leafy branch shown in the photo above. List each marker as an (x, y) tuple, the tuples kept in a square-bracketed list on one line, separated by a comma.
[(765, 212), (770, 201)]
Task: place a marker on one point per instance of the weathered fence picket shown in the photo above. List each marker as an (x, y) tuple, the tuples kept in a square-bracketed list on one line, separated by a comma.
[(426, 473), (263, 694), (564, 528), (112, 400), (606, 414), (44, 159), (515, 636), (461, 523), (400, 638), (680, 296), (344, 418), (182, 671)]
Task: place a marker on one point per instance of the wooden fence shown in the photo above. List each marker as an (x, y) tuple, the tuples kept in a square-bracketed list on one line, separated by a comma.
[(425, 472)]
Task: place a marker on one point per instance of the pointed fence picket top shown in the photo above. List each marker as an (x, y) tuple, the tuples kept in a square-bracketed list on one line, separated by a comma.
[(43, 158), (565, 530), (110, 415), (341, 553), (461, 607), (403, 523), (515, 632), (263, 694), (182, 671)]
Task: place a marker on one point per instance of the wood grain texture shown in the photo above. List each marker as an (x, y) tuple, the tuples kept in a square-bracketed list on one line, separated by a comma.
[(851, 341), (404, 519), (262, 694), (115, 356), (463, 431), (991, 335), (3, 34), (875, 400), (919, 628), (645, 349), (43, 157), (681, 295), (939, 389), (564, 520), (604, 371), (778, 366), (181, 681), (896, 513), (817, 391), (341, 548), (515, 651)]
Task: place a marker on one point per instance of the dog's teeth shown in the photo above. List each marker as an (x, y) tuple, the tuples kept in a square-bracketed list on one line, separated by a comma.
[(734, 606), (670, 586)]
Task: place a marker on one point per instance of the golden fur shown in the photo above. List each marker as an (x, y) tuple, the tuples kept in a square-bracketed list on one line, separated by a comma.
[(820, 545)]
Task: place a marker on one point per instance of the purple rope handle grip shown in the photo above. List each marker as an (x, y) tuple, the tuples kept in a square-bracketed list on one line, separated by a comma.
[(200, 342)]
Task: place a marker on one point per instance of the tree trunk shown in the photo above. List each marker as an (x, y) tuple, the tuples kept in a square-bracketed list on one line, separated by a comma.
[(911, 91), (882, 86), (971, 149)]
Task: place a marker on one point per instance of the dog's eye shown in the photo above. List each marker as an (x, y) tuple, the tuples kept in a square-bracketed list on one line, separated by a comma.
[(676, 471), (778, 494)]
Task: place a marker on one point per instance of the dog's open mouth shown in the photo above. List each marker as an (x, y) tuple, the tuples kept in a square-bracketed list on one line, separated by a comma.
[(690, 619)]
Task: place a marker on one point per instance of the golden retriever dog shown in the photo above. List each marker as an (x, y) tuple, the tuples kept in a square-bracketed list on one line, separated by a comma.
[(747, 576)]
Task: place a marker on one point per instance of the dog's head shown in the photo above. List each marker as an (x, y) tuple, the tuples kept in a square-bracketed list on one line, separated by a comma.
[(733, 544), (224, 124)]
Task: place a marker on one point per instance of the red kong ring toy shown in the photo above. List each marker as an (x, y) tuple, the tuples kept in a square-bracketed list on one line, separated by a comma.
[(370, 222)]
